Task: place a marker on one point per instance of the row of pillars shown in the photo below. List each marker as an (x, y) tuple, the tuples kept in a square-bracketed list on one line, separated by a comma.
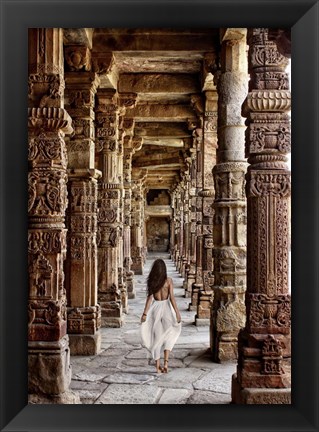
[(86, 213), (224, 199)]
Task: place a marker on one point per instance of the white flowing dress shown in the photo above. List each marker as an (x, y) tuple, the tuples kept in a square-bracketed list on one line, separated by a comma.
[(160, 330)]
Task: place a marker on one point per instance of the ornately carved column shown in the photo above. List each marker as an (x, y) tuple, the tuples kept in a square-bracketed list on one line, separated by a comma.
[(109, 195), (209, 146), (126, 101), (181, 258), (228, 309), (49, 374), (129, 149), (179, 210), (198, 284), (186, 203), (191, 274), (137, 222), (176, 217), (264, 344), (84, 315)]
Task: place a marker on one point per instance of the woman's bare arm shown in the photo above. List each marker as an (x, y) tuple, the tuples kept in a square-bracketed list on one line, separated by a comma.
[(147, 306), (173, 301)]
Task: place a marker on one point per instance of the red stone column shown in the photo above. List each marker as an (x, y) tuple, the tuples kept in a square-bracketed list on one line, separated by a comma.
[(126, 101), (109, 195), (49, 374), (191, 273), (137, 245), (229, 232), (264, 344), (129, 150), (209, 146), (84, 315), (198, 284), (186, 204)]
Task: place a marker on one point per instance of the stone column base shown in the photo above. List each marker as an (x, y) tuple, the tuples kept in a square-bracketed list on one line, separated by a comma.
[(260, 396), (49, 368), (202, 321), (188, 283), (196, 288), (85, 344), (68, 397), (111, 313), (130, 285), (111, 322), (225, 351)]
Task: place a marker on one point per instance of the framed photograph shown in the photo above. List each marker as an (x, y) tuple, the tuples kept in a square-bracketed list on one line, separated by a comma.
[(16, 18)]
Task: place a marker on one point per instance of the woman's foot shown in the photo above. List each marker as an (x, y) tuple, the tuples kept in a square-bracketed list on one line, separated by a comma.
[(158, 366), (165, 368)]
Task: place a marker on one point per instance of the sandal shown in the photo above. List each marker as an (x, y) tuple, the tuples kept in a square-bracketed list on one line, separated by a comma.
[(165, 368)]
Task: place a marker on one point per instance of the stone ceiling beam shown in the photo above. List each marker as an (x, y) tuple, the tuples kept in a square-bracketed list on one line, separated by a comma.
[(156, 160), (110, 40), (163, 112), (164, 142), (161, 130), (159, 83)]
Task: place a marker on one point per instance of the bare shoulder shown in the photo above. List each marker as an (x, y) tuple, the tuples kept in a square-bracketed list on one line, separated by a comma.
[(170, 282)]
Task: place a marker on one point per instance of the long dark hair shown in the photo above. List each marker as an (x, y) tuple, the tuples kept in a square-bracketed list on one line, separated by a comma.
[(156, 277)]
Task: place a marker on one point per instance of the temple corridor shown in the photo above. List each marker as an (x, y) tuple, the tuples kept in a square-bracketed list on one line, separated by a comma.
[(122, 372), (159, 141)]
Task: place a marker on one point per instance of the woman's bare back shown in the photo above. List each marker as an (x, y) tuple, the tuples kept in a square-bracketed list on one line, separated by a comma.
[(163, 293)]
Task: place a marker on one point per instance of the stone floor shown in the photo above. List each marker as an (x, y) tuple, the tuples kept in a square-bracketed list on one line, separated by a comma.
[(124, 373)]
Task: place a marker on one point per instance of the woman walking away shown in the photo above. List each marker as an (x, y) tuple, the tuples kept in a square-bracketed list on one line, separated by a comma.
[(160, 325)]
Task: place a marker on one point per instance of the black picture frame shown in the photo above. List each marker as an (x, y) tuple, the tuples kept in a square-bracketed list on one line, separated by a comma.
[(16, 16)]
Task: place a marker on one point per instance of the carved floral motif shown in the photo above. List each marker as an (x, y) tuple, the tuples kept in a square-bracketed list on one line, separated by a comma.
[(47, 193), (269, 183), (269, 314)]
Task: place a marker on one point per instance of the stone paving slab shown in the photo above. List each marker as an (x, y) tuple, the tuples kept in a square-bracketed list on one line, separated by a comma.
[(147, 369), (208, 397), (174, 396), (178, 378), (88, 376), (216, 381), (88, 396), (128, 378), (129, 394)]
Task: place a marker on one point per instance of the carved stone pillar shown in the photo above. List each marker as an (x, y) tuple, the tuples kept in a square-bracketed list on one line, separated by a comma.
[(264, 344), (109, 195), (191, 274), (129, 149), (84, 316), (198, 284), (137, 222), (126, 101), (49, 366), (181, 197), (186, 204), (228, 309), (175, 216), (209, 145), (179, 221)]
